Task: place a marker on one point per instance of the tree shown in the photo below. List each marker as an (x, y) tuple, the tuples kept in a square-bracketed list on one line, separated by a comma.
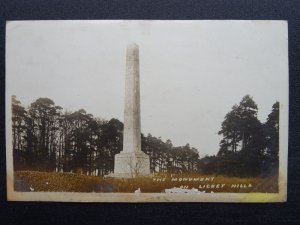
[(248, 122), (240, 126), (81, 146), (18, 116), (243, 136), (65, 134), (151, 146), (44, 124), (111, 142), (271, 128), (230, 130), (18, 131)]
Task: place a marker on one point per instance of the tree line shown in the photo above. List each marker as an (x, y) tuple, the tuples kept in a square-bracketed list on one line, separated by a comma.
[(248, 147), (46, 138)]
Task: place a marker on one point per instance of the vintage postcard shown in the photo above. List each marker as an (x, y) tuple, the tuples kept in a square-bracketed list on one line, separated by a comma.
[(147, 111)]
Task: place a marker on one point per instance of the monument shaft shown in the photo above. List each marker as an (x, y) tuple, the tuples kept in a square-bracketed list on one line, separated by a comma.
[(131, 161), (132, 117)]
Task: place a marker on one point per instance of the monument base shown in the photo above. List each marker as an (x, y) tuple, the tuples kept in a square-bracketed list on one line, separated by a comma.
[(131, 164)]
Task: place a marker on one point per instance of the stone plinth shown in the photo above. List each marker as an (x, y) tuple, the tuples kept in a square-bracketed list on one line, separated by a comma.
[(131, 164)]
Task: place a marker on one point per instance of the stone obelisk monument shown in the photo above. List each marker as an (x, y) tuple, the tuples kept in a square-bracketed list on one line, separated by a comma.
[(131, 161)]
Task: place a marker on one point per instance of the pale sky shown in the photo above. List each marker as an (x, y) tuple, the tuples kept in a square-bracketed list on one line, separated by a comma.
[(191, 72)]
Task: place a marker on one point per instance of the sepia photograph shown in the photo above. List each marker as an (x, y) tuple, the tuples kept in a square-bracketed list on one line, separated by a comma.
[(147, 110)]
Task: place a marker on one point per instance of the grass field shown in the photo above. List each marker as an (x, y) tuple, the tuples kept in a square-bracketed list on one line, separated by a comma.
[(70, 182)]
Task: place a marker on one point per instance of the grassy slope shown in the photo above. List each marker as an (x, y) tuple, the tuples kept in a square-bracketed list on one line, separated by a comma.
[(68, 182)]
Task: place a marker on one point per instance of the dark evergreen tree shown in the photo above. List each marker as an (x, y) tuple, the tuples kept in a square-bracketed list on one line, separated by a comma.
[(271, 128), (18, 133), (111, 144), (44, 116), (242, 147)]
